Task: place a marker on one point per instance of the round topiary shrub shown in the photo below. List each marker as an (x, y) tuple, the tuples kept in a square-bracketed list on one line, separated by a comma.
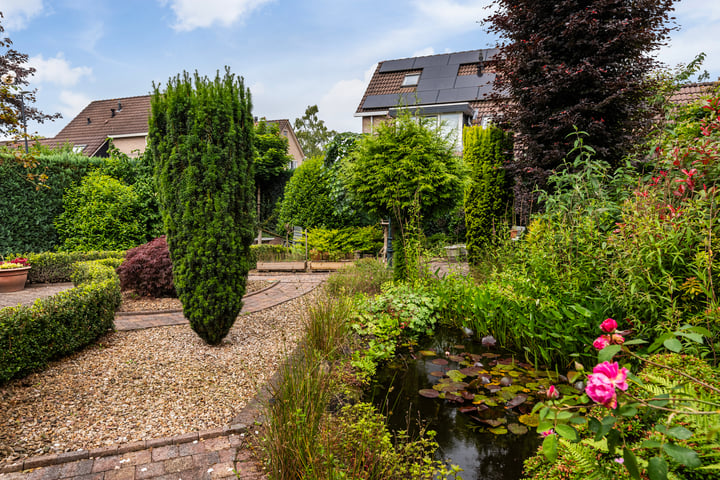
[(147, 270)]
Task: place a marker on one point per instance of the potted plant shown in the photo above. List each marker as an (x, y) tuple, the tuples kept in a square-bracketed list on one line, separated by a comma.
[(13, 274)]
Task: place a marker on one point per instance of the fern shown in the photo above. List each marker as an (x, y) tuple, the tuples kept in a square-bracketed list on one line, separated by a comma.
[(585, 457)]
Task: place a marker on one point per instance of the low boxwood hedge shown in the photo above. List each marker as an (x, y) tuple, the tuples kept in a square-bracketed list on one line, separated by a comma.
[(56, 326), (55, 267)]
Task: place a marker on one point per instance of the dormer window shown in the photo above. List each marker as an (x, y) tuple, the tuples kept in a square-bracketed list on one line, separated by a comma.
[(411, 80)]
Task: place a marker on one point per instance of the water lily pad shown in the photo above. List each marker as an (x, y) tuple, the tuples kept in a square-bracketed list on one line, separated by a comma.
[(493, 388), (467, 409), (471, 371), (514, 373), (519, 399), (517, 429), (459, 347), (494, 422), (505, 395), (506, 381), (437, 373), (490, 355), (531, 420), (498, 430), (456, 358), (439, 361), (429, 393), (428, 353), (456, 375)]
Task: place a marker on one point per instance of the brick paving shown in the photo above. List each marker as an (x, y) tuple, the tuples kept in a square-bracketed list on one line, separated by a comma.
[(213, 454)]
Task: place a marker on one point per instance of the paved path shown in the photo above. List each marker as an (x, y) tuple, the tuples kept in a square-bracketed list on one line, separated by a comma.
[(207, 455)]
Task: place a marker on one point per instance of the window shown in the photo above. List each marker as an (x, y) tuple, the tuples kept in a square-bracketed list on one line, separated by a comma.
[(486, 120), (411, 80), (78, 148)]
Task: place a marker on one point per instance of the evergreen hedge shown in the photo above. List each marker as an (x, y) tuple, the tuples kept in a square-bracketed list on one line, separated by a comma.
[(486, 195), (56, 326), (201, 142), (28, 211)]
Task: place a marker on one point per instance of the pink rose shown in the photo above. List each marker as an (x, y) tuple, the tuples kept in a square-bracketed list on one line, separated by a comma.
[(608, 325), (601, 342), (600, 390), (552, 392), (612, 371)]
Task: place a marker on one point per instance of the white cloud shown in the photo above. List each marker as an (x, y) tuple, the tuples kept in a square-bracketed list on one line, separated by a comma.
[(423, 52), (192, 14), (17, 14), (57, 70), (71, 103), (338, 105)]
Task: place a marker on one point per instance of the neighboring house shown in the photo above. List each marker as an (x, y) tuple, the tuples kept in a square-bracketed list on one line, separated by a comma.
[(452, 87), (124, 121)]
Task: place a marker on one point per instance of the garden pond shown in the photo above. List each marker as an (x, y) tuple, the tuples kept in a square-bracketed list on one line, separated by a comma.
[(478, 399)]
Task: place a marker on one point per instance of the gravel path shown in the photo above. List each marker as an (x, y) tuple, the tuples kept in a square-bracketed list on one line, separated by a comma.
[(146, 384)]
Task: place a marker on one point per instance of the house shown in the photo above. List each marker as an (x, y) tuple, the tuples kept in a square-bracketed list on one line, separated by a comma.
[(452, 87), (124, 121)]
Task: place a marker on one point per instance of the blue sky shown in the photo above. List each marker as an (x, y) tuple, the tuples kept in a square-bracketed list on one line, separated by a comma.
[(291, 53)]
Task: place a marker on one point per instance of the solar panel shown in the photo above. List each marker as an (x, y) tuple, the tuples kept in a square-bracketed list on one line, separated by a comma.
[(435, 83), (397, 65), (431, 61), (457, 95), (379, 101), (465, 57), (439, 71)]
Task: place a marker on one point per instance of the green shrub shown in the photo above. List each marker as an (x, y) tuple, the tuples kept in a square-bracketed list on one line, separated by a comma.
[(94, 271), (51, 267), (28, 212), (100, 214), (201, 142), (269, 253), (342, 241), (53, 327), (307, 201)]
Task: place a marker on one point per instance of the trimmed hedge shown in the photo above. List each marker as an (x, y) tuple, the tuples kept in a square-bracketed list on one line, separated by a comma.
[(55, 267), (53, 327), (27, 213)]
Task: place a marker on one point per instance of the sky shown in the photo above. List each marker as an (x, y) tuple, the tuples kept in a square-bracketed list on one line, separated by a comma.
[(291, 53)]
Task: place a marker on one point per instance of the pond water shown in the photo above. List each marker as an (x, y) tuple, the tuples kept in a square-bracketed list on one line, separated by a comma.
[(480, 411)]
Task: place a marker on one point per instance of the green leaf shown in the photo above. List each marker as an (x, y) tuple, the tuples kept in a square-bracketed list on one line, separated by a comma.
[(695, 337), (582, 310), (607, 353), (550, 448), (568, 432), (681, 433), (628, 410), (631, 463), (682, 455), (635, 341), (657, 468), (651, 444), (544, 426), (672, 344), (660, 402)]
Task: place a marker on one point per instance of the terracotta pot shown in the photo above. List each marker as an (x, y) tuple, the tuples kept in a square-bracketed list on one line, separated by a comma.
[(13, 279)]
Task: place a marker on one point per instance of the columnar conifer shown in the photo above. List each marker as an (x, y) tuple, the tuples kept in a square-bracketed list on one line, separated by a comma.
[(486, 195), (201, 142)]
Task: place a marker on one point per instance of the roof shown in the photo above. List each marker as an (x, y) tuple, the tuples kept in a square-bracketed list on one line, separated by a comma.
[(692, 92), (443, 79), (116, 117)]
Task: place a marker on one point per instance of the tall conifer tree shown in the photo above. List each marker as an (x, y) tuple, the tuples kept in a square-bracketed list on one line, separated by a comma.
[(201, 142)]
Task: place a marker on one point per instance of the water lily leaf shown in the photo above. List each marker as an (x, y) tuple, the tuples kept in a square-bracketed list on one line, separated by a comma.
[(490, 355), (506, 381), (456, 375), (505, 395), (456, 358), (493, 388), (498, 430), (471, 371), (468, 409), (514, 373), (428, 353), (429, 393), (519, 399), (566, 389), (479, 399), (530, 420), (495, 422), (506, 361), (486, 378), (517, 429), (439, 361), (467, 395), (437, 373)]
